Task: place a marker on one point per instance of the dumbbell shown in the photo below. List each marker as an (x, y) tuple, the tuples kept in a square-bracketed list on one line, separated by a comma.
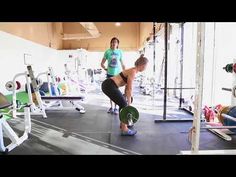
[(129, 115)]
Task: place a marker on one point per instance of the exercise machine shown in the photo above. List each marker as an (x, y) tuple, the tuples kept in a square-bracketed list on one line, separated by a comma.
[(5, 128), (73, 82), (55, 102), (38, 110)]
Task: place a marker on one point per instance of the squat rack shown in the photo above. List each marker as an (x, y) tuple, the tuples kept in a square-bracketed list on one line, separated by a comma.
[(181, 88)]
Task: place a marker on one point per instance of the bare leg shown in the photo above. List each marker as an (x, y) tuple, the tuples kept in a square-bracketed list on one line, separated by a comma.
[(110, 110), (123, 127), (111, 103)]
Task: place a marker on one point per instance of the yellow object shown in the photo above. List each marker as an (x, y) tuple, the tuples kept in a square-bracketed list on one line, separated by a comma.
[(63, 88), (223, 110), (34, 99)]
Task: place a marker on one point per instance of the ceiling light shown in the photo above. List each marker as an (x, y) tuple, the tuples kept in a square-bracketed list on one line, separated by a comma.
[(118, 24)]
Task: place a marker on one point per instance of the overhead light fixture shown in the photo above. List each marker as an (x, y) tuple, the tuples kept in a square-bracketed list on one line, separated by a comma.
[(118, 24)]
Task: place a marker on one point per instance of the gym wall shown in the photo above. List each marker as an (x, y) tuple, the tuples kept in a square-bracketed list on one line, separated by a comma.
[(93, 59), (12, 53), (127, 33), (146, 28), (219, 51), (35, 39), (47, 34), (189, 58), (132, 35)]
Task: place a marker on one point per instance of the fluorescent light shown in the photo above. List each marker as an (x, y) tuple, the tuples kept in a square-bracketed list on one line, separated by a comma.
[(118, 24)]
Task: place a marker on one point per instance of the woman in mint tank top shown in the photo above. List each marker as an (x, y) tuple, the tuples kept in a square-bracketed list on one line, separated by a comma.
[(115, 65)]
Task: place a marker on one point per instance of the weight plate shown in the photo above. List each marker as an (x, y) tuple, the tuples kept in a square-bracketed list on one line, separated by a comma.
[(129, 112), (223, 110)]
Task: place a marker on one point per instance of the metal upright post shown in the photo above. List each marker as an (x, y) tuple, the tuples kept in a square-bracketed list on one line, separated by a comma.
[(166, 57), (154, 59), (154, 48)]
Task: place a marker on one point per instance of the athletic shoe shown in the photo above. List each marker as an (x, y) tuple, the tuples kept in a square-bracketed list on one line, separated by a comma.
[(128, 133), (110, 110), (116, 112)]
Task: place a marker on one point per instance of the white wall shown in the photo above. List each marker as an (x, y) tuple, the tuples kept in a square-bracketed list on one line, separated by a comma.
[(173, 70), (12, 49), (189, 58), (159, 54), (209, 65), (224, 53), (220, 42), (93, 59)]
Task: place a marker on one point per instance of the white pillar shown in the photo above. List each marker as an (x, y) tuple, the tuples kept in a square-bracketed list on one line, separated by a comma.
[(199, 87)]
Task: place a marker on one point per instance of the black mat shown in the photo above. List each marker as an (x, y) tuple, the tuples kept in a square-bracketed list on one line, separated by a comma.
[(152, 138), (96, 123)]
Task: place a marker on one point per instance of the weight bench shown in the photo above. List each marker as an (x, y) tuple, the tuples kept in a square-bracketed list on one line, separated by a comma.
[(71, 99), (8, 131), (62, 97)]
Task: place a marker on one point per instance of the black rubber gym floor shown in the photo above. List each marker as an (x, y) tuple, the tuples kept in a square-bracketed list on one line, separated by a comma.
[(97, 132), (152, 138)]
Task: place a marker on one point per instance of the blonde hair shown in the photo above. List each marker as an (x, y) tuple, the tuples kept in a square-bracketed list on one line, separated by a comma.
[(141, 60)]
